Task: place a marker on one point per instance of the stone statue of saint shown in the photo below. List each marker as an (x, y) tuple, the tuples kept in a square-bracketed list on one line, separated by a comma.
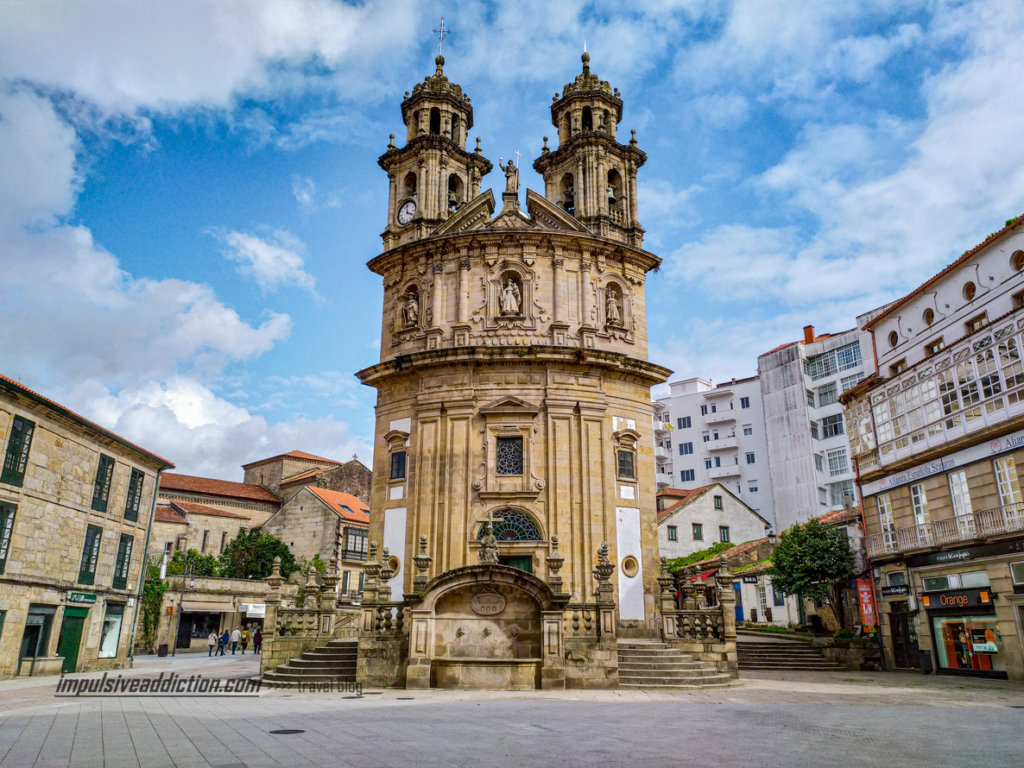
[(510, 298), (611, 311), (488, 545), (511, 176), (411, 311)]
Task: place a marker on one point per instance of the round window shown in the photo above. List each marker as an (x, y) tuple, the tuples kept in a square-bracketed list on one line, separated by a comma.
[(630, 566), (394, 563), (929, 316), (1017, 261), (894, 339), (970, 290)]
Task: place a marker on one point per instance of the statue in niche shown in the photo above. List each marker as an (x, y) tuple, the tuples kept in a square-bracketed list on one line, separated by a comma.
[(511, 176), (488, 545), (611, 310), (511, 299), (411, 311)]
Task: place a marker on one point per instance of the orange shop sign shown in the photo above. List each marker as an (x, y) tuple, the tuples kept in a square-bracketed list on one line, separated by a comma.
[(958, 598)]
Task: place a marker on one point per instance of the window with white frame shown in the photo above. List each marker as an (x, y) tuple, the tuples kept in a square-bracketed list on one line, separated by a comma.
[(1007, 482), (959, 493), (753, 489), (750, 458), (837, 462), (744, 402), (885, 520), (842, 359), (810, 398), (848, 382), (748, 430), (919, 503), (839, 491), (762, 599), (827, 394), (687, 475), (1017, 571), (819, 462), (832, 426)]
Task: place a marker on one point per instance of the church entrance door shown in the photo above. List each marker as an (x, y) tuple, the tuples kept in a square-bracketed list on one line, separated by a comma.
[(523, 563)]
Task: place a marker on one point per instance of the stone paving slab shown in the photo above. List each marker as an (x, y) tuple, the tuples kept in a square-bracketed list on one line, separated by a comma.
[(774, 719)]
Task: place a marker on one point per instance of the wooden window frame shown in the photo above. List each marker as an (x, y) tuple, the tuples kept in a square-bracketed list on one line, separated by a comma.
[(673, 533), (123, 562), (976, 323), (103, 483), (90, 555), (134, 500), (698, 531), (7, 513), (16, 456)]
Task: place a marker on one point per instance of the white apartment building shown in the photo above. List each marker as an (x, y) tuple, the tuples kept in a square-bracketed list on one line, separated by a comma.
[(808, 449), (708, 434)]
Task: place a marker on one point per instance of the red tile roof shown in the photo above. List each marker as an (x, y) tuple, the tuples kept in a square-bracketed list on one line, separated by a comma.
[(168, 515), (739, 549), (303, 476), (291, 455), (21, 389), (345, 504), (1015, 222), (171, 481), (839, 516), (191, 508), (684, 496)]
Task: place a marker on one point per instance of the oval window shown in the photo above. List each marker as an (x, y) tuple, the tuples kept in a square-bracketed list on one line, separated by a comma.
[(1017, 261), (894, 339), (970, 290), (929, 316), (630, 566), (394, 563)]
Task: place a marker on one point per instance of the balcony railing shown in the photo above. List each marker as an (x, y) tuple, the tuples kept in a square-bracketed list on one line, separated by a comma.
[(722, 444), (717, 473), (663, 479), (662, 426), (721, 417), (661, 452), (977, 525), (353, 554)]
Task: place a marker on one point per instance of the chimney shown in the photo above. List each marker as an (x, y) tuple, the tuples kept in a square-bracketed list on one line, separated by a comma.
[(808, 334)]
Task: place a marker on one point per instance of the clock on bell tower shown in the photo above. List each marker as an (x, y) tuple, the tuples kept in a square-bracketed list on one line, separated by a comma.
[(433, 175)]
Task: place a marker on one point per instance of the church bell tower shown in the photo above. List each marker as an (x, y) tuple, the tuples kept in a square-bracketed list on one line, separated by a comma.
[(433, 175), (591, 175)]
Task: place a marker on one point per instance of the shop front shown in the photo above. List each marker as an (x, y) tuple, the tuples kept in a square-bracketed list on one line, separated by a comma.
[(965, 633), (198, 619)]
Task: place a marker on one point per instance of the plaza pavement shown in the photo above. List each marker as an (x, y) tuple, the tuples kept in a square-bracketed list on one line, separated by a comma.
[(773, 719)]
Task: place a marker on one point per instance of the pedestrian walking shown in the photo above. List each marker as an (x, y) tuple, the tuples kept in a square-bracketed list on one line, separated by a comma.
[(257, 642), (223, 642), (245, 640), (235, 637), (212, 642)]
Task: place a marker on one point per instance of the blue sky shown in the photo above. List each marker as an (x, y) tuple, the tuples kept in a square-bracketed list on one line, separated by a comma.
[(189, 191)]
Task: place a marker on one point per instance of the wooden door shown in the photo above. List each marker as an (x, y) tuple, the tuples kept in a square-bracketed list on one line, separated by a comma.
[(904, 644), (71, 638)]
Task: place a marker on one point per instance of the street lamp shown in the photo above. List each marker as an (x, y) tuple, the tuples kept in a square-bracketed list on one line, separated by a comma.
[(190, 574), (771, 538)]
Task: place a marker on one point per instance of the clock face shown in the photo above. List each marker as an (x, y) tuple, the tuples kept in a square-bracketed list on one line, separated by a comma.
[(406, 211)]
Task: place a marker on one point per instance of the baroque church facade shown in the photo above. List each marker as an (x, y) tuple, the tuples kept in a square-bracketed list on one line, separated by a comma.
[(514, 446)]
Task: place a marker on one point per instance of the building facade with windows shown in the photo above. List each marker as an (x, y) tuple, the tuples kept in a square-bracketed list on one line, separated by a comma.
[(938, 437), (76, 506), (708, 434), (808, 449), (691, 521)]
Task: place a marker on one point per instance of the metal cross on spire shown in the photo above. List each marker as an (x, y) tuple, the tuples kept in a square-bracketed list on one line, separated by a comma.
[(441, 34), (517, 158)]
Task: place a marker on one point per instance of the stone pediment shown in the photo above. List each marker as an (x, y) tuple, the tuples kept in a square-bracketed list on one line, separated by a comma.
[(475, 214), (510, 404), (547, 215)]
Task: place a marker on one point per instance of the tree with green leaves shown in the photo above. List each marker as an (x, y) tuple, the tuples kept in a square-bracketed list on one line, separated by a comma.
[(152, 602), (203, 566), (809, 560), (251, 556)]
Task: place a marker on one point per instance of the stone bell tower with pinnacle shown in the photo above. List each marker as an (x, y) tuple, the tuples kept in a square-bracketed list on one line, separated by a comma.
[(513, 487), (591, 175)]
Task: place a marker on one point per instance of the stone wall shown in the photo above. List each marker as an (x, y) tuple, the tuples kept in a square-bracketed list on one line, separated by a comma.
[(351, 477), (218, 529), (53, 508)]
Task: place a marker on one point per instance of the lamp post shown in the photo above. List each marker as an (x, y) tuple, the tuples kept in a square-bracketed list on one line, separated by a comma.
[(771, 538), (190, 574)]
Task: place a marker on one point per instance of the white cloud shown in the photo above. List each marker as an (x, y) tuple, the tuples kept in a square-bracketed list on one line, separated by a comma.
[(305, 194), (273, 261), (184, 421)]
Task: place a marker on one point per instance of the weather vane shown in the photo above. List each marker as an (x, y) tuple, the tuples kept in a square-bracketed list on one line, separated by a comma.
[(441, 34)]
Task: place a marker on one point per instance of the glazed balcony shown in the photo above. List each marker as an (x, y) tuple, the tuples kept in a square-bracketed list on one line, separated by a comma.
[(962, 528)]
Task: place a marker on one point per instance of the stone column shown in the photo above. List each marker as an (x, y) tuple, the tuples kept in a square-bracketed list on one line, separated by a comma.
[(392, 199), (579, 190), (552, 674), (558, 289), (437, 299), (463, 290), (632, 198), (421, 635)]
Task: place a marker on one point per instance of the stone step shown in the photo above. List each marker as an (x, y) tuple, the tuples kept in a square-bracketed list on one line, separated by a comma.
[(627, 664), (717, 681), (675, 674), (623, 644), (275, 676), (318, 664), (791, 668), (327, 655), (649, 652), (779, 659)]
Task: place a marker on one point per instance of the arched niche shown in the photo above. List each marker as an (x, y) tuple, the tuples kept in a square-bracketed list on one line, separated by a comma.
[(616, 307), (511, 294), (410, 307), (614, 188), (456, 130), (456, 192), (409, 185), (567, 193), (588, 119), (435, 121)]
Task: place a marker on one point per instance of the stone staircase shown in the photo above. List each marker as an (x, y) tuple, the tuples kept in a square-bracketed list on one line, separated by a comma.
[(331, 663), (782, 654), (648, 664)]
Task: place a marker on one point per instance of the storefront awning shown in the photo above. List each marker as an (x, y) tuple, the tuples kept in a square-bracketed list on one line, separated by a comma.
[(201, 606), (703, 576)]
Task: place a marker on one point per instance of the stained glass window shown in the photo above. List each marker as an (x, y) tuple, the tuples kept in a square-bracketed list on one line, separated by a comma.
[(514, 526), (510, 456)]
